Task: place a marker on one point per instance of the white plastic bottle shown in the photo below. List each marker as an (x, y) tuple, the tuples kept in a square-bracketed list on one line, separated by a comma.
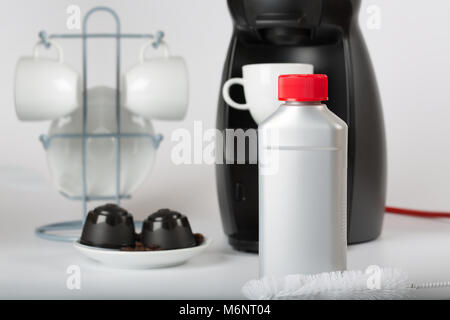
[(302, 182)]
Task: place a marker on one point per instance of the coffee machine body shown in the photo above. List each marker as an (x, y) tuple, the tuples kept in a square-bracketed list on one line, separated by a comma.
[(324, 33)]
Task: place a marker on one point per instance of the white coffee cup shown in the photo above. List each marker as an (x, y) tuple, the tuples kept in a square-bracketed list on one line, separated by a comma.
[(260, 82), (45, 88), (157, 88)]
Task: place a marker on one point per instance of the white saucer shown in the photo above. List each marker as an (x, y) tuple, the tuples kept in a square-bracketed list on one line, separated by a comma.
[(141, 259)]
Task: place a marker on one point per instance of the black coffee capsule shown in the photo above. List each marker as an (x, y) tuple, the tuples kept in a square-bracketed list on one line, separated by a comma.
[(167, 229), (109, 226)]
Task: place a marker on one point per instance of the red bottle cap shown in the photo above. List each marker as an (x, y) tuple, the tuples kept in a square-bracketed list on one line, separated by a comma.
[(303, 87)]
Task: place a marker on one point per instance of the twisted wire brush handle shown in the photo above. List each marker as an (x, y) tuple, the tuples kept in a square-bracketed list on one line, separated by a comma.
[(431, 285)]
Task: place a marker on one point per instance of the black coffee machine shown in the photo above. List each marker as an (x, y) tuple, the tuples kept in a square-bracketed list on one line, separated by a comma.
[(324, 33)]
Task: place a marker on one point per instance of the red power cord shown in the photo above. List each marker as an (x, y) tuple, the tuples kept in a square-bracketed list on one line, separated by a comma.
[(418, 213)]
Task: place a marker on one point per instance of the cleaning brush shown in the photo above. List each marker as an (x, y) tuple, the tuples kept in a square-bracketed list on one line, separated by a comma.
[(384, 284)]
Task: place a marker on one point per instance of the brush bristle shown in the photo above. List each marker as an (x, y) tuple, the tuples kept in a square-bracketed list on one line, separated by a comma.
[(346, 285)]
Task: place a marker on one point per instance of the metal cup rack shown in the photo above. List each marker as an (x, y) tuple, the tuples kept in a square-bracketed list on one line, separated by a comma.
[(48, 231)]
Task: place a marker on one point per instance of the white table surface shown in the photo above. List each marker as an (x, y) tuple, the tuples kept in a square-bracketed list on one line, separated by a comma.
[(36, 268)]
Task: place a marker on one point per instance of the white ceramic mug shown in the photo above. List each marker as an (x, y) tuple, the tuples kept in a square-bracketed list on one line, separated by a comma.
[(157, 88), (45, 88), (260, 82)]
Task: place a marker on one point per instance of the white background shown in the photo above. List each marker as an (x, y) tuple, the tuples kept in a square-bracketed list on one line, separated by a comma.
[(410, 54)]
